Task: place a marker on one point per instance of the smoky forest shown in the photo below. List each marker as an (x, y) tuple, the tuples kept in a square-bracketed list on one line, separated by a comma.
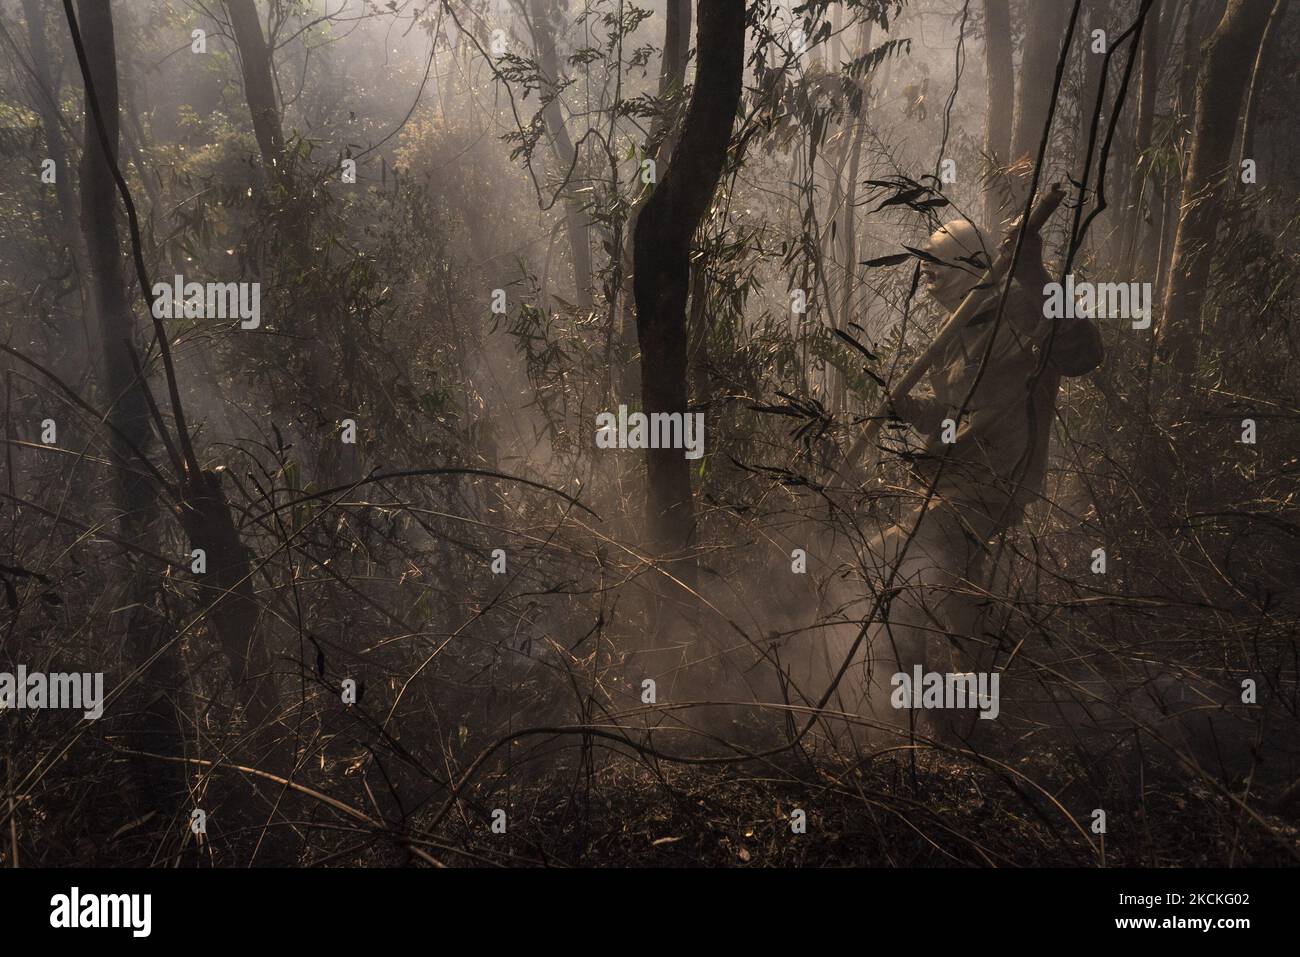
[(644, 433)]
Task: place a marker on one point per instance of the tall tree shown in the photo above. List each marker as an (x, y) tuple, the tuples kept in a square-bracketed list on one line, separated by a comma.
[(1220, 85), (1259, 76), (204, 512), (259, 84), (848, 232), (124, 394), (542, 22), (1044, 25), (658, 149), (672, 72), (152, 723), (317, 370), (1141, 179), (1198, 20), (661, 255), (1091, 87), (999, 78)]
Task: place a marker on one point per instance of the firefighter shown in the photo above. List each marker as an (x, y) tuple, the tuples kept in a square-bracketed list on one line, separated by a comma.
[(985, 425)]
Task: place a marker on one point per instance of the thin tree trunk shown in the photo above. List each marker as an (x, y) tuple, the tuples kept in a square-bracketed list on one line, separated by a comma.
[(661, 256), (259, 85), (999, 77), (543, 17), (1147, 93), (1220, 85), (848, 228), (697, 326), (123, 394), (133, 134), (1259, 76), (672, 72), (1090, 91), (315, 367), (1196, 27), (228, 586)]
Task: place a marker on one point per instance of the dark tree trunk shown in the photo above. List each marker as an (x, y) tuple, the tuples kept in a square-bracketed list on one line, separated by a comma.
[(658, 147), (123, 395), (259, 84), (151, 725), (999, 77), (1220, 85), (543, 17), (661, 256), (315, 366), (228, 588), (205, 513)]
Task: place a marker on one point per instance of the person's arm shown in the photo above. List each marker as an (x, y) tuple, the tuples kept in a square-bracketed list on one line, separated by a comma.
[(1024, 310), (1075, 344)]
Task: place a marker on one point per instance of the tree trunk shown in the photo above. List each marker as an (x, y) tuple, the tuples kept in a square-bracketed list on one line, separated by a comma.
[(658, 148), (999, 77), (1259, 76), (307, 313), (259, 85), (672, 71), (228, 586), (1196, 27), (151, 725), (848, 228), (1090, 91), (1043, 29), (661, 256), (1220, 85), (543, 17), (133, 133), (1138, 185), (205, 513), (123, 395)]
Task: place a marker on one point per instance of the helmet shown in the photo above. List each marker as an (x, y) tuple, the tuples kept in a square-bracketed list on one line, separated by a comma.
[(959, 245)]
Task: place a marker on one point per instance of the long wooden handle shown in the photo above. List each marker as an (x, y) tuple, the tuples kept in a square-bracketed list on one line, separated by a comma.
[(976, 300)]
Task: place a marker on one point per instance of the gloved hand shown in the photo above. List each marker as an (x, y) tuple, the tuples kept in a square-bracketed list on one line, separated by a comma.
[(907, 409), (1030, 271)]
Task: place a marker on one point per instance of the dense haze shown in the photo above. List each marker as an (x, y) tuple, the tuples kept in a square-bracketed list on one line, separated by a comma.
[(359, 537)]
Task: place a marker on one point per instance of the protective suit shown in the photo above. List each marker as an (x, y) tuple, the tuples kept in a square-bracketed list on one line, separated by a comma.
[(985, 423)]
